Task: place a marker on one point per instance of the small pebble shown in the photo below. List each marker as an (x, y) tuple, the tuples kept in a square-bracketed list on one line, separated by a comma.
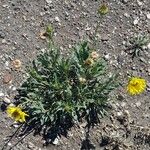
[(148, 16), (107, 56), (123, 104), (4, 41), (139, 3), (49, 1), (1, 94), (148, 46), (125, 1), (14, 88), (119, 114), (31, 145), (126, 112), (55, 142), (138, 104), (143, 60), (9, 144), (15, 125), (57, 19), (7, 100), (135, 22)]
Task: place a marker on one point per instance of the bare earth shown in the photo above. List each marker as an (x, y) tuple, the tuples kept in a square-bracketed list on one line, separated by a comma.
[(127, 127)]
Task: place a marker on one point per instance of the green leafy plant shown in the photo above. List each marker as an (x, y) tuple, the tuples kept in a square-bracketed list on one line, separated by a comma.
[(137, 45), (58, 88)]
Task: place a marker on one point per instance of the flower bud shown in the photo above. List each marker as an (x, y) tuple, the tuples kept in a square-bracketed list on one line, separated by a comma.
[(94, 55), (89, 62), (16, 63), (82, 80), (103, 9), (49, 29)]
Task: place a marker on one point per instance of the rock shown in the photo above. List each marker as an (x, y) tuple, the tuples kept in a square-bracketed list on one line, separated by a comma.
[(125, 1), (113, 106), (135, 22), (9, 144), (57, 19), (148, 70), (30, 146), (139, 3), (148, 16), (7, 79), (126, 112), (142, 59), (1, 94), (49, 1), (13, 88), (4, 41), (138, 104), (11, 105), (126, 15), (16, 125), (104, 37), (55, 142), (70, 134), (148, 46), (123, 104), (7, 100), (107, 56), (119, 114), (6, 64)]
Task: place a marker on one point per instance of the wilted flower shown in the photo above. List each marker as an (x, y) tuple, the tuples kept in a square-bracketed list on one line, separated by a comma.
[(16, 113), (89, 62), (94, 55), (16, 63), (82, 80), (103, 9), (42, 35), (136, 85)]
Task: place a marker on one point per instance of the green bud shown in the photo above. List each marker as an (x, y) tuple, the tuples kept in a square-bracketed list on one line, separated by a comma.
[(49, 29), (103, 9)]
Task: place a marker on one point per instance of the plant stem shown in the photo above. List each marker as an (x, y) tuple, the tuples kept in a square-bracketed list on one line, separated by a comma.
[(95, 33)]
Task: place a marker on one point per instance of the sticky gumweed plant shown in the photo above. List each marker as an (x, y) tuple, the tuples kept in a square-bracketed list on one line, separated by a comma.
[(58, 88)]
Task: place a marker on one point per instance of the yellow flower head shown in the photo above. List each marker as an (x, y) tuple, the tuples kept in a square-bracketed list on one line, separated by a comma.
[(89, 62), (103, 9), (136, 85), (16, 113)]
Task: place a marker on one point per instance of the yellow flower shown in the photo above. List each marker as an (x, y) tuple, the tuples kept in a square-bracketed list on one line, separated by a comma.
[(94, 55), (16, 113), (136, 85), (89, 62), (103, 9)]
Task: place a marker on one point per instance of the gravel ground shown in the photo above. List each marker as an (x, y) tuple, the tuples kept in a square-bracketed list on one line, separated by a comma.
[(21, 22)]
